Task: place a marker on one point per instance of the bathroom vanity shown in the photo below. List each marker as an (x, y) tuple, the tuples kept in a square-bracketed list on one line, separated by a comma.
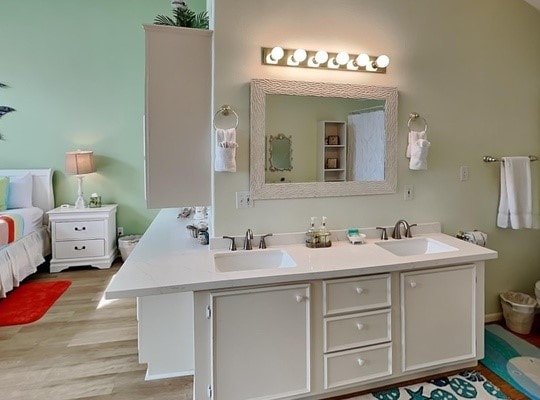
[(290, 322)]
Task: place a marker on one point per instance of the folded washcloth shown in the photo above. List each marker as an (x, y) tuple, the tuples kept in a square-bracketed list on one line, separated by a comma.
[(413, 137), (515, 204), (225, 151), (419, 153)]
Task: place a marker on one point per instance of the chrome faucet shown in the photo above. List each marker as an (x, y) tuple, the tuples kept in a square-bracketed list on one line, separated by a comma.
[(397, 232), (247, 240)]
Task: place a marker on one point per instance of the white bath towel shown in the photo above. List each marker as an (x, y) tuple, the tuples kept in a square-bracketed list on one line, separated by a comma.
[(413, 137), (419, 153), (515, 204), (225, 154)]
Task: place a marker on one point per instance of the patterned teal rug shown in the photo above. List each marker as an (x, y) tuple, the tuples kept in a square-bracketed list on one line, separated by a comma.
[(513, 359), (465, 385)]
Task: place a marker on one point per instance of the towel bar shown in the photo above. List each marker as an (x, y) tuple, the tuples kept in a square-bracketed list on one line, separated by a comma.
[(225, 110), (494, 159)]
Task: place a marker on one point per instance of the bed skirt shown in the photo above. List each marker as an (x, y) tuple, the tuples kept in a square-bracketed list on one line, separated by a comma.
[(21, 258)]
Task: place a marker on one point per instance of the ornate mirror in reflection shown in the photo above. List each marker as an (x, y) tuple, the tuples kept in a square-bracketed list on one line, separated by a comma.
[(280, 152)]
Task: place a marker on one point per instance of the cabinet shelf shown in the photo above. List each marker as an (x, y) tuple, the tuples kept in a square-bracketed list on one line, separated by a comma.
[(332, 151)]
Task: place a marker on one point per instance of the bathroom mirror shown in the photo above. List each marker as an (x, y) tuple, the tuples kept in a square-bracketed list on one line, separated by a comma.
[(280, 152), (292, 104)]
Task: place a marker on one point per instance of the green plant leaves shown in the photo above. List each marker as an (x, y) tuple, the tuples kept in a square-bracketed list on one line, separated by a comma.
[(184, 18)]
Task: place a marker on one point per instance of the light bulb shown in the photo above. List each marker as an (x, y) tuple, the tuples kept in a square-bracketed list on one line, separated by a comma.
[(321, 57), (382, 61), (342, 58), (299, 55), (362, 60), (276, 54)]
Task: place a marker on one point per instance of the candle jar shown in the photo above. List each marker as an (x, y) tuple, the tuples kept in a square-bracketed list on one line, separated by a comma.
[(95, 201)]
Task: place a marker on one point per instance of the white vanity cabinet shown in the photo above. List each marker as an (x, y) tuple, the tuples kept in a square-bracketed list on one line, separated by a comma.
[(439, 316), (178, 116), (259, 344)]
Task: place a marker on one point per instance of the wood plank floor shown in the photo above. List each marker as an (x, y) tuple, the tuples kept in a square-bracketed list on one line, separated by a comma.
[(85, 348)]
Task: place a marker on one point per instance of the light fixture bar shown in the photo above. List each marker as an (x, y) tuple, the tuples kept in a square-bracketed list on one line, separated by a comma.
[(321, 59)]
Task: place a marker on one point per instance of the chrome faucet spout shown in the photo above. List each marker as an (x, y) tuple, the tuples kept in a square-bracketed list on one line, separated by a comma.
[(397, 229), (248, 239)]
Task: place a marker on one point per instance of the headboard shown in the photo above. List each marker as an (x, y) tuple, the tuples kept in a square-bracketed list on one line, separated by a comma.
[(42, 191)]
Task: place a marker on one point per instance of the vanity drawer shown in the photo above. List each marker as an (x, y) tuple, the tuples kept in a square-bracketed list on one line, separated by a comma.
[(353, 366), (356, 294), (357, 330), (79, 230), (79, 249)]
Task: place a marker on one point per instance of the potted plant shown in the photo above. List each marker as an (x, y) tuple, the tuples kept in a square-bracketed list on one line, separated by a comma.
[(183, 17)]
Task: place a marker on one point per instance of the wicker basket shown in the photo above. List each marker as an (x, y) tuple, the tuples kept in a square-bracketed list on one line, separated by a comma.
[(518, 311)]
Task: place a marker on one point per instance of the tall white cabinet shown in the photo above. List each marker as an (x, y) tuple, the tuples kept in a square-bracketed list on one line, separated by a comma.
[(178, 116), (332, 151)]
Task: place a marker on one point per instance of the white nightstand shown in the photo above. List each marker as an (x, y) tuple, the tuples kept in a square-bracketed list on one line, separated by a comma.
[(84, 236)]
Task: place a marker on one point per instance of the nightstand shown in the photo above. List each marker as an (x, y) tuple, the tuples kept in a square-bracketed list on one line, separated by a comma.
[(83, 236)]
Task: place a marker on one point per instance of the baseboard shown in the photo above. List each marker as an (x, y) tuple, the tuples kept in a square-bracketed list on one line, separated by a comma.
[(152, 377), (495, 317)]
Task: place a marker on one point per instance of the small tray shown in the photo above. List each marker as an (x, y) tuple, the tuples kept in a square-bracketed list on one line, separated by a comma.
[(359, 238)]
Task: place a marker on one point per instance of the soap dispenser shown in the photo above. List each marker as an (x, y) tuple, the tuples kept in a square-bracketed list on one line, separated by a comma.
[(324, 234), (311, 234)]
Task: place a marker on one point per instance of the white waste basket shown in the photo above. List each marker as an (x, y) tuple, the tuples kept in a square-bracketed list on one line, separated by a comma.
[(518, 311), (126, 244)]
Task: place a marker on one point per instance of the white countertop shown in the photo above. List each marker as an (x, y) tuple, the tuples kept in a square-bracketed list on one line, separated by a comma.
[(168, 260)]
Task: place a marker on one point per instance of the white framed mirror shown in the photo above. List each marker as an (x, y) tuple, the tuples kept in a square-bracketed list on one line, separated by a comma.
[(333, 156)]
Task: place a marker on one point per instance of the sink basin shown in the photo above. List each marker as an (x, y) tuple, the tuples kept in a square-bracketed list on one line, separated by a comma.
[(415, 246), (252, 260)]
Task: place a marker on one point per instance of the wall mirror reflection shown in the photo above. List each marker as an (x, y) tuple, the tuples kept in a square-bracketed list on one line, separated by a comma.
[(345, 138)]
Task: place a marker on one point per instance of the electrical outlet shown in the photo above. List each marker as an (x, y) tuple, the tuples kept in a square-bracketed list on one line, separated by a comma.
[(120, 231), (463, 173), (243, 199), (408, 193)]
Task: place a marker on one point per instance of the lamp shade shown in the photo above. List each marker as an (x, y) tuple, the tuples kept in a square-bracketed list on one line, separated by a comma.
[(80, 162)]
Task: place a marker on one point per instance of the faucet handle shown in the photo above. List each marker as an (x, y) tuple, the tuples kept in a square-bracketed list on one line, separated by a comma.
[(408, 231), (232, 246), (384, 235), (262, 243)]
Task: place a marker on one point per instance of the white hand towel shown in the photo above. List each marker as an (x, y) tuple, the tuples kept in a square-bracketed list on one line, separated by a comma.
[(419, 153), (225, 154), (515, 205), (413, 137)]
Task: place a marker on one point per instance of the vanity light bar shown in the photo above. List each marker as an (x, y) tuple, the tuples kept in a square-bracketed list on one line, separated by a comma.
[(322, 59)]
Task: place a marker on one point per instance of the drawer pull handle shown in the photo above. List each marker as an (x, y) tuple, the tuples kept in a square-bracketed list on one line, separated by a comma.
[(300, 298), (80, 229), (412, 284), (80, 248), (361, 362), (359, 290), (360, 326)]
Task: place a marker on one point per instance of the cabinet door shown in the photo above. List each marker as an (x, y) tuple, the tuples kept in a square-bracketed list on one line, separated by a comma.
[(178, 116), (438, 313), (261, 343)]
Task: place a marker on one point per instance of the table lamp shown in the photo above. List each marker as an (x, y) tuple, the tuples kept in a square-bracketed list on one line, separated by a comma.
[(80, 162)]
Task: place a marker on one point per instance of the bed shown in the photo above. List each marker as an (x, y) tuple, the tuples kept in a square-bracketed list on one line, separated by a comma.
[(24, 236)]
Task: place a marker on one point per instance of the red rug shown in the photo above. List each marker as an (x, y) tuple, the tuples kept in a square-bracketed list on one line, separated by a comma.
[(30, 301)]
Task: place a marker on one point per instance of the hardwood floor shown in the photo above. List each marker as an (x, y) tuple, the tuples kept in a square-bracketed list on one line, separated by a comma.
[(84, 348)]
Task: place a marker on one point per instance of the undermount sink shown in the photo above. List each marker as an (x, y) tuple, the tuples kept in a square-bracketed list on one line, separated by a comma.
[(416, 246), (252, 260)]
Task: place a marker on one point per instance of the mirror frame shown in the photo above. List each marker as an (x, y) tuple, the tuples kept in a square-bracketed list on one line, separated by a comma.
[(262, 190)]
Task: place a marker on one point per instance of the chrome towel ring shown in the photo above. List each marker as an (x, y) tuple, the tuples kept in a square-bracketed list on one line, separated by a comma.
[(414, 116), (225, 110)]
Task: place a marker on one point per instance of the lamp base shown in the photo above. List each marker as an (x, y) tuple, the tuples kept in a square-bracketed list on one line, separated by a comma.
[(80, 203)]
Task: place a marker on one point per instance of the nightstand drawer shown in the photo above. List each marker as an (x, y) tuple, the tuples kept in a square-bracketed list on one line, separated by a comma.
[(353, 366), (356, 294), (347, 332), (79, 230), (80, 249)]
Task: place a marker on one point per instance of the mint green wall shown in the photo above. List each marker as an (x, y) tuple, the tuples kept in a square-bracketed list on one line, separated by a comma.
[(76, 75)]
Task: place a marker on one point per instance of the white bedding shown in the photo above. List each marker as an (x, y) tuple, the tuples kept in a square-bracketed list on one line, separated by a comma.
[(32, 217)]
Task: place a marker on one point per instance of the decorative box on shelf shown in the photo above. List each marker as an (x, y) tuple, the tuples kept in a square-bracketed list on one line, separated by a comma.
[(83, 236)]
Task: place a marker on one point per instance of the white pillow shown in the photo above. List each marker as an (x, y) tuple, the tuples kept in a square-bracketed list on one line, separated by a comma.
[(20, 191)]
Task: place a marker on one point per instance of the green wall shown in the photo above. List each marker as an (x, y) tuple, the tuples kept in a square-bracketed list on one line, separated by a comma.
[(76, 75)]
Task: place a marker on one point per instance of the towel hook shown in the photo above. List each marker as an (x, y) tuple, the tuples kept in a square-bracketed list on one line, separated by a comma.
[(414, 116), (225, 109)]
